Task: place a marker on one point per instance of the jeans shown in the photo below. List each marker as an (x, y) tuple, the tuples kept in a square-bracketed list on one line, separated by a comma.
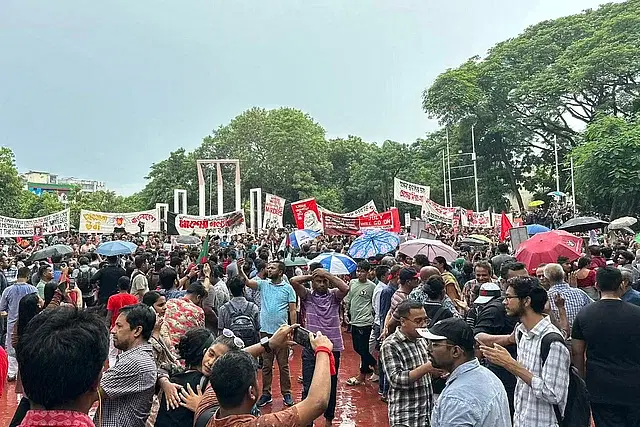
[(282, 356), (308, 366), (361, 336), (605, 415)]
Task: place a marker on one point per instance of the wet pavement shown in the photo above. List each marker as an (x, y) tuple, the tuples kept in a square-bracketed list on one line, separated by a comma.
[(356, 406)]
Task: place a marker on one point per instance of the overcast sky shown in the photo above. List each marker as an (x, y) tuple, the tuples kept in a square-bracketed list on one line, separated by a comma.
[(101, 90)]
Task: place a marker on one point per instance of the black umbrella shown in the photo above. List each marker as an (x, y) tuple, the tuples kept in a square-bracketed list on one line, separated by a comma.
[(472, 241), (54, 251), (188, 240), (583, 223)]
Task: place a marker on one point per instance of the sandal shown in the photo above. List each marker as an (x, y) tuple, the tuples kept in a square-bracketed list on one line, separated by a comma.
[(354, 381)]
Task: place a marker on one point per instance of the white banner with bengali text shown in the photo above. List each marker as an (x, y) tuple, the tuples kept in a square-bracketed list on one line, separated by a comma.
[(273, 211), (107, 222), (470, 218), (226, 224), (404, 191), (431, 211), (366, 209), (42, 226)]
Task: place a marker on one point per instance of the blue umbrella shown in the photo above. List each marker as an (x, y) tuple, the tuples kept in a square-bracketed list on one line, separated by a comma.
[(535, 229), (116, 247), (335, 263), (299, 237), (374, 242)]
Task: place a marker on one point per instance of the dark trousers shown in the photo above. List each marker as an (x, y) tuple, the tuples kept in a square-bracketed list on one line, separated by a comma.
[(383, 383), (360, 336), (282, 356), (605, 415), (21, 412), (308, 366)]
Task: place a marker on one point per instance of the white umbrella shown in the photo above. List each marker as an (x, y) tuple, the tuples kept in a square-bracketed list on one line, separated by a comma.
[(625, 221), (335, 263), (428, 247)]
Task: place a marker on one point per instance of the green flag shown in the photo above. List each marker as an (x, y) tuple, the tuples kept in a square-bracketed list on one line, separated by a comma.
[(204, 252)]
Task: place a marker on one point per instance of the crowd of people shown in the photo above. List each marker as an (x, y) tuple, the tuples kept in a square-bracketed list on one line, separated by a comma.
[(177, 336)]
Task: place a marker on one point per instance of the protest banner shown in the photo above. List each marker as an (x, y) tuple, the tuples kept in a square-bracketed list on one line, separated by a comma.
[(306, 214), (408, 192), (496, 218), (367, 208), (340, 225), (435, 212), (108, 222), (273, 211), (42, 226), (388, 220), (476, 219), (227, 224)]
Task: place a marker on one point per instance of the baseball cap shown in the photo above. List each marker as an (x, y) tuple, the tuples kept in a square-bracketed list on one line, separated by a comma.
[(488, 291), (407, 274), (452, 329)]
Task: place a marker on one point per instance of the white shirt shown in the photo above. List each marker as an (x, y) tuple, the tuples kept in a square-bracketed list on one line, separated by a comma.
[(377, 291)]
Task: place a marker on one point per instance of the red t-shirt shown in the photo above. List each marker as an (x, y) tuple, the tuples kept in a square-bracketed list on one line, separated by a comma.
[(116, 302)]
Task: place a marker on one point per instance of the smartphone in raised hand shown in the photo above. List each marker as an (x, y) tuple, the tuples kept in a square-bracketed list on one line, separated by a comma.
[(301, 337)]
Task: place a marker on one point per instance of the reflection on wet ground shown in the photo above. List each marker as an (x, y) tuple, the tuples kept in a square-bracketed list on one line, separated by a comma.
[(356, 406)]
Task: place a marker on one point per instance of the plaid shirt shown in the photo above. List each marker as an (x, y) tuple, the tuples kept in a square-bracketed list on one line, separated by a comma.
[(574, 300), (550, 384), (409, 403), (129, 387)]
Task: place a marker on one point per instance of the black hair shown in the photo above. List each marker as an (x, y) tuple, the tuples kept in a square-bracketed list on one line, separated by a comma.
[(175, 261), (503, 248), (441, 260), (406, 306), (434, 287), (197, 288), (606, 252), (562, 260), (53, 341), (260, 264), (608, 279), (27, 309), (231, 376), (236, 286), (314, 266), (23, 272), (112, 259), (140, 260), (510, 266), (49, 291), (364, 266), (150, 298), (382, 271), (42, 269), (528, 286), (421, 259), (485, 265), (83, 260), (627, 255), (594, 250), (167, 278), (140, 315), (124, 283), (281, 266), (192, 345), (583, 262)]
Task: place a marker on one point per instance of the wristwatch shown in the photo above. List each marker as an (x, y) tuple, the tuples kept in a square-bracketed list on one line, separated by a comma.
[(264, 342)]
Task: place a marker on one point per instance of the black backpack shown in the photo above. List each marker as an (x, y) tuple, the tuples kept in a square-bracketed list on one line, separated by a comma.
[(577, 413), (83, 280), (242, 325)]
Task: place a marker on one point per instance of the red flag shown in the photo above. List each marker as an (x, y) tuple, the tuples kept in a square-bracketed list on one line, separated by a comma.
[(505, 226)]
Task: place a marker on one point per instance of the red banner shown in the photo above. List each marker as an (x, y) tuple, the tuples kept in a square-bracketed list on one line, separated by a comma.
[(389, 221), (306, 215), (340, 225), (335, 224)]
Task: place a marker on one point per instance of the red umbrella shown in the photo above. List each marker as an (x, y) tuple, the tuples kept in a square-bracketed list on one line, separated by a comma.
[(545, 248)]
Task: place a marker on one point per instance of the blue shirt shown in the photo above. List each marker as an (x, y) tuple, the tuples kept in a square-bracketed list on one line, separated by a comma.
[(274, 304), (472, 396), (631, 296), (10, 300)]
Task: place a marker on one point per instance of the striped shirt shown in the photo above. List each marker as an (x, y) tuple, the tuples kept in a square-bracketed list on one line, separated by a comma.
[(410, 403), (574, 299), (322, 314), (550, 384), (129, 387)]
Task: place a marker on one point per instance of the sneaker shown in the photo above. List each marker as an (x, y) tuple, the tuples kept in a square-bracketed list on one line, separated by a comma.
[(287, 399), (374, 378), (11, 378), (264, 399)]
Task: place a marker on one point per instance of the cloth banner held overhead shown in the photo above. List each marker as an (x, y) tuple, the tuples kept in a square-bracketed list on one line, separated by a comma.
[(42, 226), (408, 192), (388, 220), (307, 215), (435, 212), (340, 225), (132, 222), (226, 224), (368, 208), (476, 219), (496, 218), (273, 210)]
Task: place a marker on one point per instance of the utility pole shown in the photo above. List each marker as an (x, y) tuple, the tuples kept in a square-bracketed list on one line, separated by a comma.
[(555, 149), (475, 166), (444, 179), (449, 171)]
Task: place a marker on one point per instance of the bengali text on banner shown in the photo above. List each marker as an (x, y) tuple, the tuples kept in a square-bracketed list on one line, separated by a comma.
[(108, 222), (408, 192), (273, 210), (307, 215), (228, 224), (42, 226)]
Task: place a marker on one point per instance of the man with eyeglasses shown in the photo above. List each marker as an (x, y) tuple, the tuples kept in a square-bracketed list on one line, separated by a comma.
[(542, 388), (404, 355)]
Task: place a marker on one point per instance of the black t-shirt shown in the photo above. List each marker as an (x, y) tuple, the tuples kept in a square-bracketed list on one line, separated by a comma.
[(611, 334), (108, 281), (181, 416)]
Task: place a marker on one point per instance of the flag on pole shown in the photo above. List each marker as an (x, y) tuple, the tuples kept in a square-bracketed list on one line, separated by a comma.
[(204, 252), (505, 226)]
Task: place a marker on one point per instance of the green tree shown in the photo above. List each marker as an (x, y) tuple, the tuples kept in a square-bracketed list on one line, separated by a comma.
[(608, 166), (11, 186)]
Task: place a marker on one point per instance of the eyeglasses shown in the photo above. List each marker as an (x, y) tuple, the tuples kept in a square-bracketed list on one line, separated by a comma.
[(236, 340), (418, 320), (432, 344)]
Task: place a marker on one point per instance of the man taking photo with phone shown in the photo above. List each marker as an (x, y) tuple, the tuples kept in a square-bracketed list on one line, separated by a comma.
[(321, 305)]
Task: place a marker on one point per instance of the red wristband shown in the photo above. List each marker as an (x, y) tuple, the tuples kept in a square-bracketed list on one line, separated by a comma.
[(332, 360)]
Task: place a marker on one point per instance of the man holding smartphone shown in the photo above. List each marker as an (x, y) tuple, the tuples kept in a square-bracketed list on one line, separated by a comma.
[(321, 305)]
